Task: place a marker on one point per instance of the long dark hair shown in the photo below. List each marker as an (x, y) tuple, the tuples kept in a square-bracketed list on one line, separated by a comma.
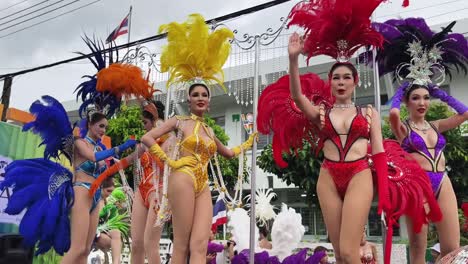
[(95, 117)]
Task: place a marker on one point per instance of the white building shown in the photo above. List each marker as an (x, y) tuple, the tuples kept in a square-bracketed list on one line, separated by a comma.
[(226, 111)]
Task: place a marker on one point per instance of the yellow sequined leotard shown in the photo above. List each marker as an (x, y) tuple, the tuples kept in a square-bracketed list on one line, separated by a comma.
[(202, 150)]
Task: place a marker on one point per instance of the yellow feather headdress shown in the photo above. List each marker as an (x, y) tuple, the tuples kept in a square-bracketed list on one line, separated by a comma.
[(193, 54)]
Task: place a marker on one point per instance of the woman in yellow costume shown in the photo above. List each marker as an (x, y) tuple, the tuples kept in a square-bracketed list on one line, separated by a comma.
[(194, 58)]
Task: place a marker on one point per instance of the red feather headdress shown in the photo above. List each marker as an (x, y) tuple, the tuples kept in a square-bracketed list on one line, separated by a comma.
[(336, 28)]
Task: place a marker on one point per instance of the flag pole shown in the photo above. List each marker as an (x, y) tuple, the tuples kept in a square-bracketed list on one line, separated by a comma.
[(129, 23)]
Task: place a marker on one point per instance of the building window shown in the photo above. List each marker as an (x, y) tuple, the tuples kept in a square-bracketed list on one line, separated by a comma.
[(220, 121), (375, 224)]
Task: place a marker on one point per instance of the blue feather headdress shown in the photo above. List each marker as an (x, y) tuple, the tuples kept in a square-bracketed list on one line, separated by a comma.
[(105, 102)]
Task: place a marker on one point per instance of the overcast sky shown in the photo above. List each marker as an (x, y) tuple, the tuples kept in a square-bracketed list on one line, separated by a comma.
[(57, 39)]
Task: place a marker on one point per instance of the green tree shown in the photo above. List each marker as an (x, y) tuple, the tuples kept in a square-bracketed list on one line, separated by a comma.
[(302, 171), (126, 123)]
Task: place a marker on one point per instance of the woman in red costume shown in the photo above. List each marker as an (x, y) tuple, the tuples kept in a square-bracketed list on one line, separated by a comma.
[(323, 113)]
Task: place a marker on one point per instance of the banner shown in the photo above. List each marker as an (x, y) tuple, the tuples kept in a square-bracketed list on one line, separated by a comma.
[(8, 223), (14, 145)]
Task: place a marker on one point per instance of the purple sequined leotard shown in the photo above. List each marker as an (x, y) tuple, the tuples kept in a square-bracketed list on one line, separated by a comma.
[(415, 143)]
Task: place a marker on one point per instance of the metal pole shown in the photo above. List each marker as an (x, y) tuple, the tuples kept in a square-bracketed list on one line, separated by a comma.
[(129, 25), (253, 180), (6, 93), (376, 81), (377, 106), (168, 103)]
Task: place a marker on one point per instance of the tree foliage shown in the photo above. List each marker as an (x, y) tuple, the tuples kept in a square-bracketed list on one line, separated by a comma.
[(303, 169), (229, 167), (128, 122)]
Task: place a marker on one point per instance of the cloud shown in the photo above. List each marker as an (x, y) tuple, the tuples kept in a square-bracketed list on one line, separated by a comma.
[(58, 39)]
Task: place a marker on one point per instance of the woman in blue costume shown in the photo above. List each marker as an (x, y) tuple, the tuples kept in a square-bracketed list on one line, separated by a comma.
[(49, 192)]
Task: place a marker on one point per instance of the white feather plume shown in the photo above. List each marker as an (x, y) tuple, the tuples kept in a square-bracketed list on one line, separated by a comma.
[(264, 210), (286, 233), (239, 225)]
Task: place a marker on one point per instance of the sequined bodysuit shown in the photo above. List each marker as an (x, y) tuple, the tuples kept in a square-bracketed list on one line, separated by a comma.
[(414, 143), (200, 148), (341, 170), (92, 169)]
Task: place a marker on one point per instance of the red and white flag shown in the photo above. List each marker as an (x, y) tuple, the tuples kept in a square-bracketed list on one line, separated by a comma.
[(122, 29), (219, 213)]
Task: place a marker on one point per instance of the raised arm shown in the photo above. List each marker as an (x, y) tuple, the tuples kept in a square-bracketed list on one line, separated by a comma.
[(398, 128), (89, 154), (295, 48), (454, 121)]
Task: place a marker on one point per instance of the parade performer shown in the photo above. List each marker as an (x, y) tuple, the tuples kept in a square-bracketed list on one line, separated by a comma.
[(194, 58), (322, 112), (148, 171), (421, 59)]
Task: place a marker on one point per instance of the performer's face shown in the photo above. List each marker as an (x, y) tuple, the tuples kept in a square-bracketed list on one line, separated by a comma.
[(342, 83), (418, 102), (107, 191), (324, 260), (148, 124), (199, 99), (98, 129)]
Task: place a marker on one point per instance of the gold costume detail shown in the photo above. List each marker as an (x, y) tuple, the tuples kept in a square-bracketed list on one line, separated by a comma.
[(202, 150), (246, 145)]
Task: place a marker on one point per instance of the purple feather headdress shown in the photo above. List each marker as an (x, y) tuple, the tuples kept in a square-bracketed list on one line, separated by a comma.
[(413, 51)]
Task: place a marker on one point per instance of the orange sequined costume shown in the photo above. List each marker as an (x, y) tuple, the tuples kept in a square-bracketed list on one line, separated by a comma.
[(149, 163)]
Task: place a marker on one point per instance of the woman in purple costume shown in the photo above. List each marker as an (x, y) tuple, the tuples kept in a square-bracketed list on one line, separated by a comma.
[(424, 60)]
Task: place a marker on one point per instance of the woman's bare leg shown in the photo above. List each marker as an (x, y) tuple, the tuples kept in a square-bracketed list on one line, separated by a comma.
[(449, 228), (139, 213), (417, 243), (202, 221), (356, 206), (331, 205), (79, 221), (152, 235), (116, 245), (181, 196)]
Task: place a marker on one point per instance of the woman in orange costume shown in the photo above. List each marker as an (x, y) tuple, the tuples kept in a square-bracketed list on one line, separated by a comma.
[(147, 172)]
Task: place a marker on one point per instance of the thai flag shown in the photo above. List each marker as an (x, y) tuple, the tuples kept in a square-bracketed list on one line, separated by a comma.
[(122, 29), (219, 213)]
